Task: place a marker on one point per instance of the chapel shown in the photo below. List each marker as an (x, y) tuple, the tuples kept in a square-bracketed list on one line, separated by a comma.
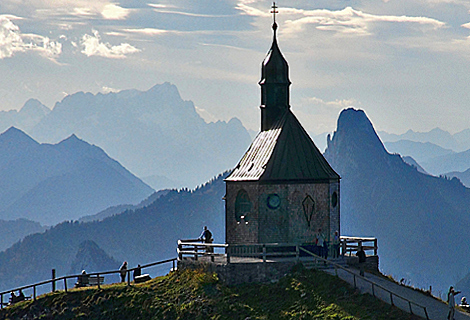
[(282, 190)]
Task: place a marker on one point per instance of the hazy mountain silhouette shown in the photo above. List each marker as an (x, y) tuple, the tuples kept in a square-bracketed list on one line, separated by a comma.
[(90, 257), (437, 136), (459, 161), (12, 231), (464, 177), (419, 220), (26, 118), (420, 151), (153, 133), (141, 236), (123, 207), (412, 162), (52, 183)]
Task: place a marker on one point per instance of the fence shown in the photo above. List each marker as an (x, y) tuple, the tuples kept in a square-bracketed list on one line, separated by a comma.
[(350, 245), (373, 284), (54, 280), (195, 248)]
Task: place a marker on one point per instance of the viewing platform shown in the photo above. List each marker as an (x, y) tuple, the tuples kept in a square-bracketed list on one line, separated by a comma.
[(244, 263)]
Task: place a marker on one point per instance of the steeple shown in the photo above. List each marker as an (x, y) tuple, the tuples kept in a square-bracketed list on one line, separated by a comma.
[(274, 83)]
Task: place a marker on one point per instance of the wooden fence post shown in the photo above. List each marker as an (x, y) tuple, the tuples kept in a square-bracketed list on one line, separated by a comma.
[(65, 284), (98, 276), (375, 246), (53, 280), (264, 252), (34, 293), (297, 253)]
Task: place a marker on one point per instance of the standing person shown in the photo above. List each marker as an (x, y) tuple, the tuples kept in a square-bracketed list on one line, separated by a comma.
[(320, 244), (335, 246), (123, 270), (206, 236), (451, 301), (362, 259)]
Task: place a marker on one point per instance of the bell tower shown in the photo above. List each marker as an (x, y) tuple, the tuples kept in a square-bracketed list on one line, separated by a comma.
[(274, 83), (283, 190)]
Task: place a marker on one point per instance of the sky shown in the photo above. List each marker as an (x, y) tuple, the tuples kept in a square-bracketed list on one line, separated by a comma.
[(405, 62)]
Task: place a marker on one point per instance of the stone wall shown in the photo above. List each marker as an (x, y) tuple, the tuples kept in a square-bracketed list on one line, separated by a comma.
[(238, 273), (286, 223)]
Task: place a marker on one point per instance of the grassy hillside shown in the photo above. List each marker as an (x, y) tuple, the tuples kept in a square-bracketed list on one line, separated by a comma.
[(304, 294)]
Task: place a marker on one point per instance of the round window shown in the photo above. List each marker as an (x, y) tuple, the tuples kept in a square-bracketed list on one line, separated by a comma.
[(273, 201)]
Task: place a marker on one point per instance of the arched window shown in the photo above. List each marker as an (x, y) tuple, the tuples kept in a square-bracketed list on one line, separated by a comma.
[(242, 206), (334, 199)]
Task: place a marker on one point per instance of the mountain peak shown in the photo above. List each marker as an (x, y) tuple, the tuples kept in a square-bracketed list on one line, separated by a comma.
[(34, 107), (355, 128), (354, 135), (16, 136)]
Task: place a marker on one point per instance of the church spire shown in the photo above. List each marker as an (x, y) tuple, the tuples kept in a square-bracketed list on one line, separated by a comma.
[(274, 82)]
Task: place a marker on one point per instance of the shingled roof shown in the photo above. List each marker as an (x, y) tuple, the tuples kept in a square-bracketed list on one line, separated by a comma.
[(285, 153)]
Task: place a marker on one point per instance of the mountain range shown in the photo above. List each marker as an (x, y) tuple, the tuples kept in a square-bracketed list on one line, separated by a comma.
[(50, 183), (154, 133), (143, 235), (26, 118), (458, 142), (419, 219)]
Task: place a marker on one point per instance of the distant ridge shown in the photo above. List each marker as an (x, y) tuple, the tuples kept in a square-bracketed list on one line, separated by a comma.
[(142, 235), (52, 183), (418, 219), (155, 134)]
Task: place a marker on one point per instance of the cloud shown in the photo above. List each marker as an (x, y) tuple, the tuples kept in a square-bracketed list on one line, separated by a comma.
[(12, 41), (112, 11), (349, 20), (92, 46), (314, 104), (147, 31)]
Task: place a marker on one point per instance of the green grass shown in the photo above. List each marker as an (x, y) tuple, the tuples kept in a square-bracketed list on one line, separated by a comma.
[(190, 294)]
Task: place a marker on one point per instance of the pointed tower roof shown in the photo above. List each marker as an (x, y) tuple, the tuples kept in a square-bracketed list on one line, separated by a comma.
[(274, 68), (285, 153), (282, 151)]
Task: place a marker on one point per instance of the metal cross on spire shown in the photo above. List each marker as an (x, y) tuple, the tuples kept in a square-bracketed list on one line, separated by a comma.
[(274, 11)]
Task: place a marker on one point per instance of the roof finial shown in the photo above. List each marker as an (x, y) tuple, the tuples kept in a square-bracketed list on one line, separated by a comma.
[(274, 11)]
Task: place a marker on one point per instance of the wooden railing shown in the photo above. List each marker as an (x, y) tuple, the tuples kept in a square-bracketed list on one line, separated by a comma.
[(65, 278), (195, 248), (350, 245)]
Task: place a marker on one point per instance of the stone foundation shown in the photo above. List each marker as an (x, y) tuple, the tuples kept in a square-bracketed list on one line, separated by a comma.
[(238, 273)]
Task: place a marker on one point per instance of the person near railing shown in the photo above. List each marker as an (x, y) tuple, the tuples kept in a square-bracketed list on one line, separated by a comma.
[(21, 296), (82, 280), (335, 245), (206, 237), (137, 271), (123, 270), (13, 298), (362, 259), (322, 245), (464, 304), (451, 301)]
